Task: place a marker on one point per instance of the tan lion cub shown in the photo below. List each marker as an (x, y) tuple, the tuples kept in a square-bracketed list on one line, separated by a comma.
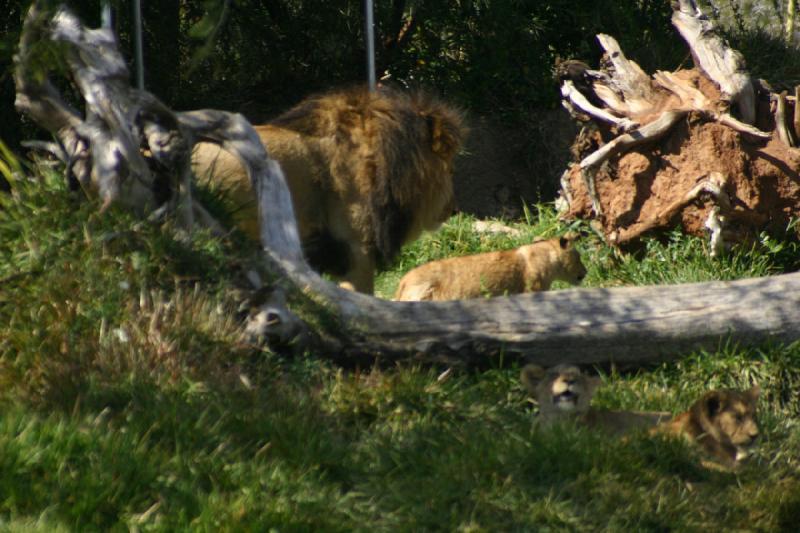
[(532, 267), (564, 393), (722, 422)]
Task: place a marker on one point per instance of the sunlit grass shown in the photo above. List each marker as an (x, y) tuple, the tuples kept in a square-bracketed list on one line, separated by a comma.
[(669, 259)]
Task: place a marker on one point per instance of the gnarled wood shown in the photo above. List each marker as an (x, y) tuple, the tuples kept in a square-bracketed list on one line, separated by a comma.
[(625, 325), (780, 120), (571, 94), (718, 61), (712, 186), (100, 74), (628, 78)]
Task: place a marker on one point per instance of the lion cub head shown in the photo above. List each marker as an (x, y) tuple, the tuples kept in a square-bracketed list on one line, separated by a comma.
[(728, 421), (564, 393), (561, 262), (723, 422), (560, 390)]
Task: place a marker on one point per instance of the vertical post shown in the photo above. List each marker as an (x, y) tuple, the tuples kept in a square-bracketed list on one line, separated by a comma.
[(790, 9), (369, 36), (137, 38), (105, 15)]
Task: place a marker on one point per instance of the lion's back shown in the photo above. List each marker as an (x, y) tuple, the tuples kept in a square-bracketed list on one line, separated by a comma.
[(471, 276), (367, 171)]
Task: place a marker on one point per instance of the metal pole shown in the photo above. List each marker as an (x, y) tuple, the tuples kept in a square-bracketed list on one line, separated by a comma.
[(369, 36), (137, 38), (105, 15)]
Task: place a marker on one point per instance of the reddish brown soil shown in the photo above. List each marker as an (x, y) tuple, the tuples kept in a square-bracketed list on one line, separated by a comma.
[(762, 180)]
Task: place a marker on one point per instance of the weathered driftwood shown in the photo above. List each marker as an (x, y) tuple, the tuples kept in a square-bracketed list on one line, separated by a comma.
[(796, 116), (112, 106), (694, 100), (575, 98), (633, 98), (718, 61), (634, 325), (648, 132), (126, 146), (628, 80)]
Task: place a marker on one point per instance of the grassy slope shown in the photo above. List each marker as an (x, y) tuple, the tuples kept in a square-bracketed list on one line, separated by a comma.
[(129, 401)]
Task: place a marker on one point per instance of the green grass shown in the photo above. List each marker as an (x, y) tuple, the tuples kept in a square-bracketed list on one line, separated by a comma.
[(674, 258), (130, 401)]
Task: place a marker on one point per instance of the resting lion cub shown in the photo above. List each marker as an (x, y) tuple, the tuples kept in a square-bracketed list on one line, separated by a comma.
[(532, 267), (564, 393), (722, 422)]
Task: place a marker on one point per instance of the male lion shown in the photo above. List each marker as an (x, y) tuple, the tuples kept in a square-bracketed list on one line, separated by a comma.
[(532, 267), (722, 422), (367, 171), (564, 393)]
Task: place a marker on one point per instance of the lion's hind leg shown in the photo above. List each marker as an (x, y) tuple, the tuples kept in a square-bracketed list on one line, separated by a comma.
[(415, 291), (361, 273)]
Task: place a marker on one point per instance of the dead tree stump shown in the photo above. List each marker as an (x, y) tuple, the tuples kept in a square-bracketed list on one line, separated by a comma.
[(706, 148)]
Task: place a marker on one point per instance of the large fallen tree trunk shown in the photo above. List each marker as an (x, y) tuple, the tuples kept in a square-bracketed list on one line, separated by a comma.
[(634, 325), (635, 172), (624, 325)]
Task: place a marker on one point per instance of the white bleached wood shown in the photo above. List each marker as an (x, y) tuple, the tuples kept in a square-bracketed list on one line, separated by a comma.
[(628, 77), (717, 60)]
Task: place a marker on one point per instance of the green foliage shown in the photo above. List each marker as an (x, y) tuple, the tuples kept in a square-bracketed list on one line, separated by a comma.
[(90, 288), (261, 57), (680, 259), (496, 56), (673, 259)]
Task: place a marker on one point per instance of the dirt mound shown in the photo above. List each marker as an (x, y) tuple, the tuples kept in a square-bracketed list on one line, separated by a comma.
[(761, 181)]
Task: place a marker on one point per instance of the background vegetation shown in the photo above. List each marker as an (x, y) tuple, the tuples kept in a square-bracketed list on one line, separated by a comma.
[(494, 57)]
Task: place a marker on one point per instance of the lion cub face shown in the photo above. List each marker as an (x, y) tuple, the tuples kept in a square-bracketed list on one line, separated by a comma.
[(730, 417), (564, 393), (723, 422), (736, 417), (565, 262), (560, 390)]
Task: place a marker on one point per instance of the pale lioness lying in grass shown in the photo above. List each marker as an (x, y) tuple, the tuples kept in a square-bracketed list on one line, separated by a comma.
[(565, 393), (722, 422), (532, 267)]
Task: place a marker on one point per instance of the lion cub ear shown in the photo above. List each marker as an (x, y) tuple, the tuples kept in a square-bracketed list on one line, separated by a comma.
[(753, 393), (711, 404), (567, 240), (531, 375)]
